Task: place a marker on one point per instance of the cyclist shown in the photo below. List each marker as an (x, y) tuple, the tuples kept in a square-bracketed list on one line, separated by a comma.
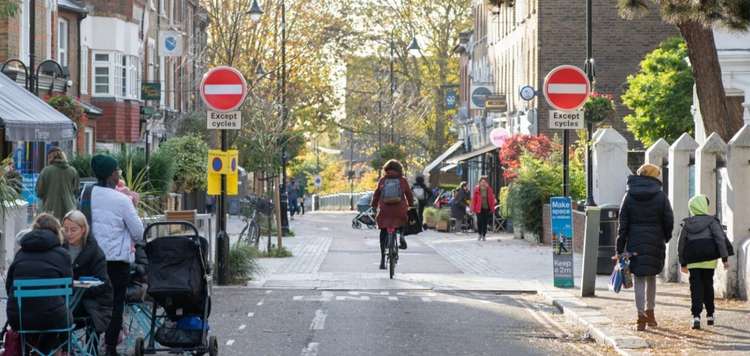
[(392, 199)]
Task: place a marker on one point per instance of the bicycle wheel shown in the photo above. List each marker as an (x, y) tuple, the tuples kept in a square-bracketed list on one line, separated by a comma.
[(254, 233), (242, 235), (392, 253)]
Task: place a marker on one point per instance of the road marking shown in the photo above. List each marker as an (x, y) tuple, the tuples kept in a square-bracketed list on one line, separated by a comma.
[(230, 342), (242, 327), (310, 350), (319, 321), (426, 300), (485, 302), (261, 302), (250, 314), (394, 299), (298, 297), (363, 298), (269, 291), (452, 300)]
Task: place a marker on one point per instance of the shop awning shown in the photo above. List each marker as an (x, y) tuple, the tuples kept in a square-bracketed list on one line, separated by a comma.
[(448, 167), (442, 157), (472, 154), (25, 117)]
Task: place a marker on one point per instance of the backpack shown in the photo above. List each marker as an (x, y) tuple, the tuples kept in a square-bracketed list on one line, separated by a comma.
[(418, 192), (391, 193)]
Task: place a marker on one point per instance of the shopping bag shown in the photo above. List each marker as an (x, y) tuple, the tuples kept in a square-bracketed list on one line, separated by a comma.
[(627, 276), (615, 279)]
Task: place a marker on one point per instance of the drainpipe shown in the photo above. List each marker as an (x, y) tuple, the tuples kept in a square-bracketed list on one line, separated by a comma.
[(80, 58), (32, 44)]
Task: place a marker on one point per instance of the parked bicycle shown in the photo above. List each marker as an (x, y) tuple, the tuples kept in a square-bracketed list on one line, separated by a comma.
[(250, 207)]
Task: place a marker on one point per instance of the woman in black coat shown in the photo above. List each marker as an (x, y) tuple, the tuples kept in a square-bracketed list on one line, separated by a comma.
[(458, 204), (41, 256), (646, 223), (88, 261)]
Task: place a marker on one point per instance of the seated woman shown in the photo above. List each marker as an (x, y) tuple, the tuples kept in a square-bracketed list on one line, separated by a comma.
[(88, 261), (41, 256)]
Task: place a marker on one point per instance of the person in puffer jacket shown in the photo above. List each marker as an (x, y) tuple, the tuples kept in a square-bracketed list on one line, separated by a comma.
[(702, 242)]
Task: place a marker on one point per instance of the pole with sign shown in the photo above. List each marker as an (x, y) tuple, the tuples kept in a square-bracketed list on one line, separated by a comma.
[(223, 90), (566, 89), (562, 241)]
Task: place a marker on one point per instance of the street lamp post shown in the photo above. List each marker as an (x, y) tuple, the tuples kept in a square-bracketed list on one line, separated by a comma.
[(589, 125), (351, 169), (393, 86), (284, 115)]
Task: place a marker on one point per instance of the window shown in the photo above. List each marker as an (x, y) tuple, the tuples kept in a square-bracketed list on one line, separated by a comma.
[(123, 70), (24, 51), (88, 141), (101, 74), (134, 77), (84, 84), (62, 42)]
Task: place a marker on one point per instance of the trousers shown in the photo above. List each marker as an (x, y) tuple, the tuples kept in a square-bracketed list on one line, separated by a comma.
[(645, 293), (483, 219), (702, 291), (119, 275)]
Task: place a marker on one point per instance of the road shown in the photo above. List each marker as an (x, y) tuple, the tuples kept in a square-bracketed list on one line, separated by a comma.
[(331, 299)]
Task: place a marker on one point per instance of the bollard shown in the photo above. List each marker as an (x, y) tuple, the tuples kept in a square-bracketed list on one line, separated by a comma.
[(590, 251), (222, 258)]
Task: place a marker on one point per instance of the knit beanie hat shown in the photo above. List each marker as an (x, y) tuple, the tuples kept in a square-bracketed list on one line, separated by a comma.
[(103, 166), (649, 170)]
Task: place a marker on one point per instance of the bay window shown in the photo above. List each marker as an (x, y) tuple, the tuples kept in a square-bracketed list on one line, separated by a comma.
[(116, 75), (102, 75)]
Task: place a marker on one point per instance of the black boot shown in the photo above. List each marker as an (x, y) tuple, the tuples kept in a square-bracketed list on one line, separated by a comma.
[(382, 261), (111, 351), (402, 243)]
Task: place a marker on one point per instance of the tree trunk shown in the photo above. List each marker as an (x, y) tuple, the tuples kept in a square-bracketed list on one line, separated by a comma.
[(277, 206), (707, 73)]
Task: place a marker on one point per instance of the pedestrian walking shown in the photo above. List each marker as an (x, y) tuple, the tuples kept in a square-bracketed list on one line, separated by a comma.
[(645, 227), (301, 201), (392, 199), (422, 194), (41, 256), (483, 204), (116, 227), (292, 194), (459, 204), (57, 185), (702, 242), (88, 261)]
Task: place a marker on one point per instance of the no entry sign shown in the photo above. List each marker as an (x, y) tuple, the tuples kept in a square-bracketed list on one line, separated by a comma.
[(566, 88), (223, 89)]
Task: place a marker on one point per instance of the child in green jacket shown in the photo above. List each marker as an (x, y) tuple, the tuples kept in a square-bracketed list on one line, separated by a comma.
[(702, 242)]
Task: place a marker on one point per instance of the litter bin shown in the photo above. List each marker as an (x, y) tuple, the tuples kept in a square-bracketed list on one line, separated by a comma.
[(607, 237)]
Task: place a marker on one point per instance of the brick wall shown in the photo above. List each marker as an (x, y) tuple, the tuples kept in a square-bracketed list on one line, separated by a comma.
[(619, 46), (10, 35), (9, 38), (122, 9), (119, 122)]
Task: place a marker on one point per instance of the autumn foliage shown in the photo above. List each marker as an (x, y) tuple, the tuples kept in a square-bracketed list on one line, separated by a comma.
[(510, 154)]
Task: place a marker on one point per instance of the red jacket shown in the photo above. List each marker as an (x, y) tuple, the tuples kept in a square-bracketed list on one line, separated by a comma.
[(476, 200), (392, 215)]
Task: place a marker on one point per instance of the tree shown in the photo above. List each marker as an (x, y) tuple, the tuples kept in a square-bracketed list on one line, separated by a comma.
[(660, 94), (695, 20), (388, 152)]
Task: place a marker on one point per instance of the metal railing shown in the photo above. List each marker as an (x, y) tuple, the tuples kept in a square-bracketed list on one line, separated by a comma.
[(337, 202)]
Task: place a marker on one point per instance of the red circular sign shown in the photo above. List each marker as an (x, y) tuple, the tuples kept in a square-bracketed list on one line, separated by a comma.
[(566, 88), (223, 89)]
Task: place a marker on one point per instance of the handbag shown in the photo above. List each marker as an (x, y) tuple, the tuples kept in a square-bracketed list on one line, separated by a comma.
[(413, 225), (12, 342)]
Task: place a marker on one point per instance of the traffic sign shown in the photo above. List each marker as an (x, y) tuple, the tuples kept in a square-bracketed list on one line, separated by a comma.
[(527, 92), (479, 93), (566, 88), (224, 120), (566, 120), (318, 181), (496, 103), (223, 89)]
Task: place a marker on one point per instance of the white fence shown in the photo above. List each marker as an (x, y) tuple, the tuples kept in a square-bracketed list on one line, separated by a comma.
[(337, 202), (720, 170)]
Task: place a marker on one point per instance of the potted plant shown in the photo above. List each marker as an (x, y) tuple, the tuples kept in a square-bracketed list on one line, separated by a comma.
[(430, 216), (443, 220), (599, 107)]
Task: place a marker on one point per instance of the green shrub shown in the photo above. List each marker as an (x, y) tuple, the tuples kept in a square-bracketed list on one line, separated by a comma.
[(430, 216), (242, 263), (82, 164), (444, 214), (161, 170), (190, 154), (537, 181)]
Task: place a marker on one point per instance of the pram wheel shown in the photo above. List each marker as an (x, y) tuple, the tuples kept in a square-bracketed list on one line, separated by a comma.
[(213, 346), (139, 346)]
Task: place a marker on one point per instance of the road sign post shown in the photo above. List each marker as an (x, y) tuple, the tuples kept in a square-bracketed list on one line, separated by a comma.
[(566, 89), (223, 90)]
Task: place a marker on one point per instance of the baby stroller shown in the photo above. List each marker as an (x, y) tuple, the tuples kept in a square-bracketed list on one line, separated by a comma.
[(365, 214), (178, 283)]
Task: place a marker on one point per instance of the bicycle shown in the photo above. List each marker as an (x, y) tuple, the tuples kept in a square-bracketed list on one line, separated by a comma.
[(392, 250), (250, 234)]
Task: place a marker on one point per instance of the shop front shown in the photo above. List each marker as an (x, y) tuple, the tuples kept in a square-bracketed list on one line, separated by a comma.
[(29, 127)]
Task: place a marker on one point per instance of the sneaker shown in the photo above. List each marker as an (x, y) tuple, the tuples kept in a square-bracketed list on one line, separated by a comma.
[(710, 320), (696, 323)]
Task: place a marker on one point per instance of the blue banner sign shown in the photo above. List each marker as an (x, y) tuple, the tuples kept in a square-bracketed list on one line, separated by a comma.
[(562, 241), (451, 99)]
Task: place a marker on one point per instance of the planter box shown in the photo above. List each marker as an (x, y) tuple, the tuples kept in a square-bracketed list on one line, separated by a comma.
[(442, 226)]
